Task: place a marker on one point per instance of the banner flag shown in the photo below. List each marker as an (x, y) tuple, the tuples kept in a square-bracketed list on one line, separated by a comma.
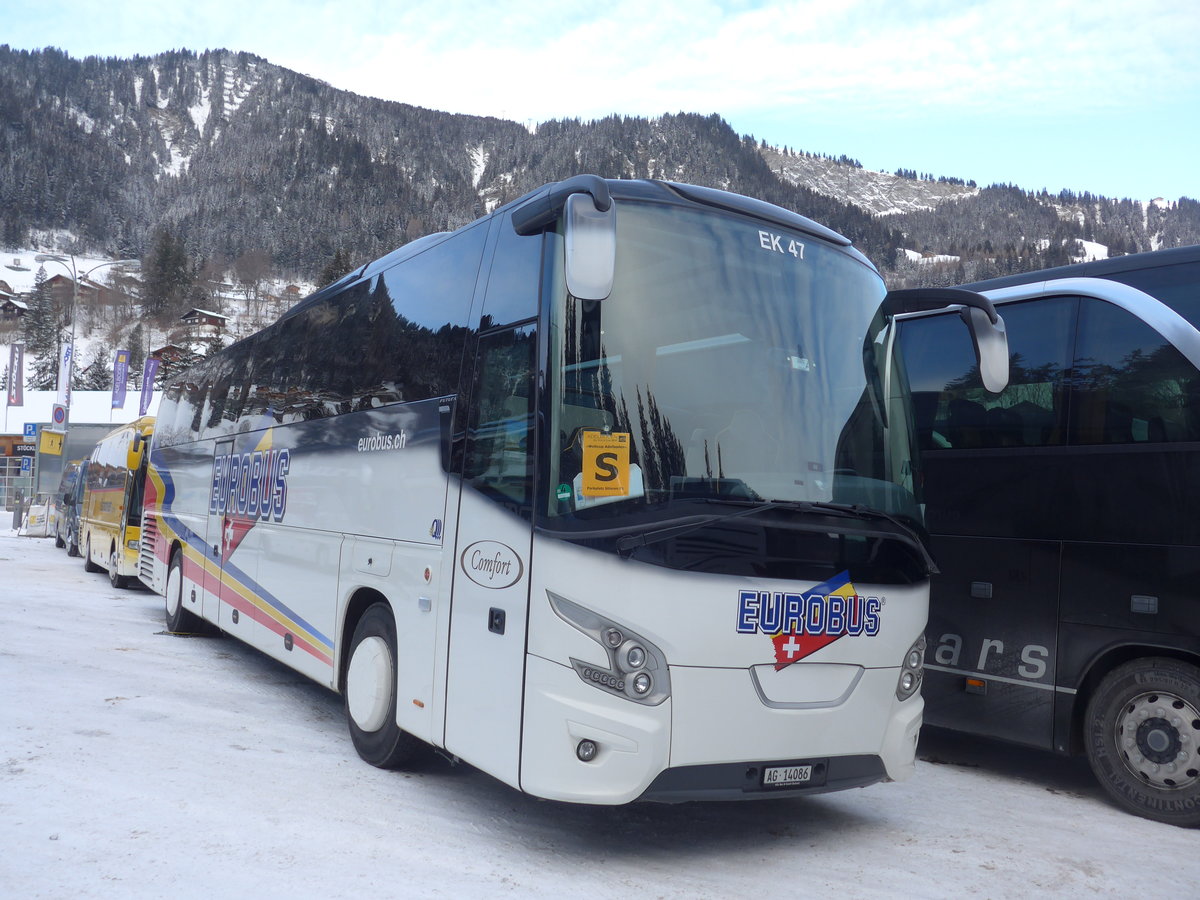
[(64, 374), (148, 373), (120, 376), (16, 375)]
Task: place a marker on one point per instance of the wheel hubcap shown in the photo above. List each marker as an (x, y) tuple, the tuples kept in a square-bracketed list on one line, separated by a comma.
[(174, 593), (1158, 735), (369, 684)]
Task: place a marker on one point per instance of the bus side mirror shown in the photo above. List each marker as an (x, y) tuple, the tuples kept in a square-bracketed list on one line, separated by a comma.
[(591, 247), (991, 347), (982, 320), (133, 458)]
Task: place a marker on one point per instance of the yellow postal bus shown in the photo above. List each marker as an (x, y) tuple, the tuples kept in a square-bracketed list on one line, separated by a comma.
[(110, 518)]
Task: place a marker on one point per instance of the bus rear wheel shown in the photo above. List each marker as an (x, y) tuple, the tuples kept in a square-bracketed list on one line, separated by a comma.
[(370, 691), (1143, 739)]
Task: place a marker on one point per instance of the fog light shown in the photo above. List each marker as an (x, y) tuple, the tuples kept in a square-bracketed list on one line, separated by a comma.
[(642, 683), (906, 681), (586, 751)]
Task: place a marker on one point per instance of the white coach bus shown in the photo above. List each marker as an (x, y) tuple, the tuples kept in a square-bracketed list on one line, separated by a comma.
[(610, 493)]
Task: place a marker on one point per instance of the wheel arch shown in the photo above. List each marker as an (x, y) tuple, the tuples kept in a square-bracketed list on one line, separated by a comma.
[(359, 602)]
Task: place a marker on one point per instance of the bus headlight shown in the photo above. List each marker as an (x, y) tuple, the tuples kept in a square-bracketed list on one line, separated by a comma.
[(636, 669), (913, 670)]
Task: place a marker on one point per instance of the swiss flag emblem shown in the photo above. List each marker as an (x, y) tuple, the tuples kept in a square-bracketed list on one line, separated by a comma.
[(232, 534), (792, 647)]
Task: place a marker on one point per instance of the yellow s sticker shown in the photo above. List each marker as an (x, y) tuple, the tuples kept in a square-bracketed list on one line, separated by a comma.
[(605, 464)]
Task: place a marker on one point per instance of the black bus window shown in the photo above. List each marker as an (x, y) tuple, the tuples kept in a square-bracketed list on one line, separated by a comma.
[(1177, 286), (1130, 385), (514, 279), (952, 408), (499, 451)]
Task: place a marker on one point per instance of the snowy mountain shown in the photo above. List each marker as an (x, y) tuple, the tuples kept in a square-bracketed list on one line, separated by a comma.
[(235, 157)]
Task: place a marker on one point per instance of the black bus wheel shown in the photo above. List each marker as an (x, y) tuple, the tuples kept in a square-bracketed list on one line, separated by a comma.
[(370, 691), (114, 578), (88, 565), (180, 619), (1143, 739)]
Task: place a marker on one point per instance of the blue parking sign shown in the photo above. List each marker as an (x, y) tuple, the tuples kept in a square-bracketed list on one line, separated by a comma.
[(26, 465), (31, 429)]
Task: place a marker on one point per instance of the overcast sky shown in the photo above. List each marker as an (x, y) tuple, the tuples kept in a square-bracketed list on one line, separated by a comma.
[(1102, 95)]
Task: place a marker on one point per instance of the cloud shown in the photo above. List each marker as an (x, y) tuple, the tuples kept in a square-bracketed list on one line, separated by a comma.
[(878, 57)]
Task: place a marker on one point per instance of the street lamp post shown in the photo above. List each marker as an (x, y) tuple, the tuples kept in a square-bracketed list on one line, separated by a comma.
[(64, 378)]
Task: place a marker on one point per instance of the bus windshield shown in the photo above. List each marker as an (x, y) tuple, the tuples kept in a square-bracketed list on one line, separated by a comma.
[(734, 360)]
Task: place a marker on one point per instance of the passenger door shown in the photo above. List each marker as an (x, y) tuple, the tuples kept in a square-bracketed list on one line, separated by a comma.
[(490, 595), (214, 537)]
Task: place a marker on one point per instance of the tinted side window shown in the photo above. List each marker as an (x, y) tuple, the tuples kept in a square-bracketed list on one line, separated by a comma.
[(954, 411), (1130, 385), (515, 278), (499, 449), (397, 337), (1177, 286)]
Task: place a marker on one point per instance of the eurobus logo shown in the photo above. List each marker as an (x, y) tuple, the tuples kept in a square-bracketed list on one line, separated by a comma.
[(252, 484), (800, 624)]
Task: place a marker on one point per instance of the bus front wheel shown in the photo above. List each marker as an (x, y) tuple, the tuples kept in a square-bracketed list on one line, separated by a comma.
[(115, 578), (88, 565), (370, 691), (180, 619), (1143, 739)]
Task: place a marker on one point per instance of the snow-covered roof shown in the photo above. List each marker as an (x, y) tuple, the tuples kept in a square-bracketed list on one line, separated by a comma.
[(193, 313)]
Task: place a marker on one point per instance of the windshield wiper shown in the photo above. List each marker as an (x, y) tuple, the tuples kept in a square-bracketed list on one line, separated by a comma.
[(629, 542)]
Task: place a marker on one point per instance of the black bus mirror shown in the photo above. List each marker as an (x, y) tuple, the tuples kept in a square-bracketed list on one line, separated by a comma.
[(986, 327), (591, 247)]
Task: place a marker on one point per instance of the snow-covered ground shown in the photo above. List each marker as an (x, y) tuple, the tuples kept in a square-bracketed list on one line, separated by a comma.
[(138, 764)]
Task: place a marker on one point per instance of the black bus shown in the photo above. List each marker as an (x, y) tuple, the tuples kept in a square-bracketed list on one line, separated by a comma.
[(1065, 518)]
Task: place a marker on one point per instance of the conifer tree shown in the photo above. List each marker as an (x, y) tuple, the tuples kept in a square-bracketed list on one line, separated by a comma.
[(96, 374), (167, 276), (43, 341), (335, 268)]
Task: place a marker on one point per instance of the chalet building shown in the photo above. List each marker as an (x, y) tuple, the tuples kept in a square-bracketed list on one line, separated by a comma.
[(11, 309), (204, 323), (170, 353), (91, 293)]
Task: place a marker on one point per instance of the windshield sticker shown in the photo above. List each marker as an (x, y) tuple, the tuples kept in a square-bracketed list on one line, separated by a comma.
[(800, 624), (605, 464)]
